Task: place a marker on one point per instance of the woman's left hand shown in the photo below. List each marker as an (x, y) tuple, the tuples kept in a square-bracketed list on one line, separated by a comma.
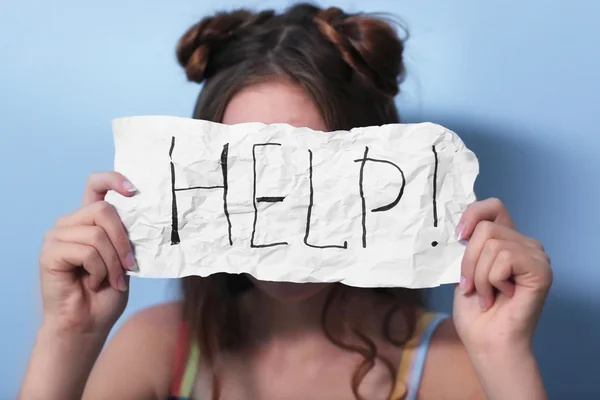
[(505, 280)]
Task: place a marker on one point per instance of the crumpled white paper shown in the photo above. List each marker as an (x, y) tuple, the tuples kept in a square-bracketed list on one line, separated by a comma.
[(255, 220)]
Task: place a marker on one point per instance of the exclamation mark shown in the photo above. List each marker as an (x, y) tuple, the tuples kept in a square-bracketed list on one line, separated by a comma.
[(435, 214)]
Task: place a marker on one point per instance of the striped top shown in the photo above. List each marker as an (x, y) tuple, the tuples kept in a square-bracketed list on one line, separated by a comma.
[(410, 370)]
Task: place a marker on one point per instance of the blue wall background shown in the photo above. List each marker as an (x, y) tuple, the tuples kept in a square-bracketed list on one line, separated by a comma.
[(517, 80)]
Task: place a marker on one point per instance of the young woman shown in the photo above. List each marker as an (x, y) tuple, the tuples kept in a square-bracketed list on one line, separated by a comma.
[(233, 337)]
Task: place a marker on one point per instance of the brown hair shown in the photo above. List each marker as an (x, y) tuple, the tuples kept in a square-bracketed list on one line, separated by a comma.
[(351, 64)]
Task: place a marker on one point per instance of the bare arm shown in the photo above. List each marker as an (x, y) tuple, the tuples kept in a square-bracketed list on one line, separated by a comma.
[(60, 364), (510, 373), (452, 373), (84, 291), (505, 278), (136, 363)]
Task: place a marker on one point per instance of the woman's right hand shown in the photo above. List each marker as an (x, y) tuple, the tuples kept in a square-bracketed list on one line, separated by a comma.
[(83, 262)]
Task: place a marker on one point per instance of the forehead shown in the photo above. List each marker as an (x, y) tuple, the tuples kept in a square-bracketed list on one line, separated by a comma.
[(271, 103)]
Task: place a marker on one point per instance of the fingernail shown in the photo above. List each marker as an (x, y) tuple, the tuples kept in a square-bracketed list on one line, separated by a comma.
[(482, 303), (462, 286), (130, 261), (121, 285), (129, 187), (460, 231)]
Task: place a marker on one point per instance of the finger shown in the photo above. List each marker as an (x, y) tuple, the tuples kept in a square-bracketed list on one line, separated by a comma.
[(68, 257), (498, 231), (530, 269), (486, 210), (484, 284), (484, 231), (501, 272), (99, 183), (104, 215), (96, 237)]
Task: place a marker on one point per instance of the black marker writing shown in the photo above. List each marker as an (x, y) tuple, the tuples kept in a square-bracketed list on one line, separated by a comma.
[(256, 200), (435, 170), (387, 207), (269, 199), (174, 223), (310, 206), (174, 220), (224, 155)]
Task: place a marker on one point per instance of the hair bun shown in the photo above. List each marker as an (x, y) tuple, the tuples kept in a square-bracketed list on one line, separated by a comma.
[(194, 47), (370, 46)]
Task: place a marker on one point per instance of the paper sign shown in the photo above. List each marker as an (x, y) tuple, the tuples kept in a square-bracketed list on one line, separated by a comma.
[(370, 207)]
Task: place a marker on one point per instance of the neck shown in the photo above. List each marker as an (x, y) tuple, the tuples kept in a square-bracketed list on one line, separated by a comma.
[(273, 318)]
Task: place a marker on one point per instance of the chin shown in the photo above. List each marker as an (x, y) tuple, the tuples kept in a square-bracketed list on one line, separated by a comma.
[(287, 291)]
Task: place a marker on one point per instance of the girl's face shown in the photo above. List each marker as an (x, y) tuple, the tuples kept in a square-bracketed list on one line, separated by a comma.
[(270, 103)]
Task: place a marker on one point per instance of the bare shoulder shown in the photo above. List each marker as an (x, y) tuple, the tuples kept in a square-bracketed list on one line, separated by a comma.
[(137, 362), (448, 372)]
